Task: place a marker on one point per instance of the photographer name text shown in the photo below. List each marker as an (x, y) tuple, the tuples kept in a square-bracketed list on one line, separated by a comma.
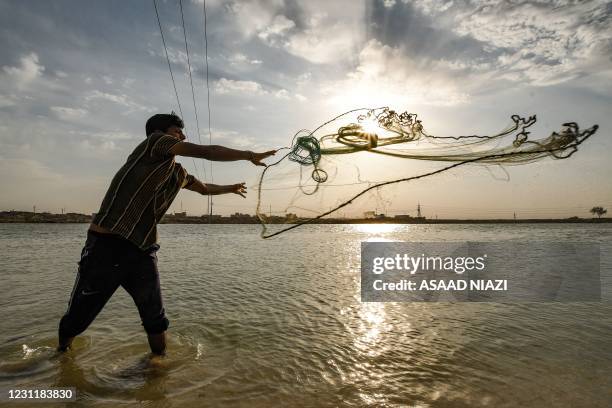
[(415, 264)]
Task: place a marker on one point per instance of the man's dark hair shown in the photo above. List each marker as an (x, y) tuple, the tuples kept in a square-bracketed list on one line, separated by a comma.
[(163, 121)]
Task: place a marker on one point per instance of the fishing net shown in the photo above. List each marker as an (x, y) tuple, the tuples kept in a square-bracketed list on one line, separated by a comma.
[(319, 174)]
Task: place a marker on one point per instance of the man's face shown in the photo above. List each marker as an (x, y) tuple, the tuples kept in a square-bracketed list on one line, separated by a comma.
[(176, 132)]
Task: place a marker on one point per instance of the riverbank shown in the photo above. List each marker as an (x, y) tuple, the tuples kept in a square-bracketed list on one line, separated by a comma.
[(75, 218)]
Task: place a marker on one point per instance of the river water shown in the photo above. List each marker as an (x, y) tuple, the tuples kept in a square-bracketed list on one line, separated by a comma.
[(271, 323)]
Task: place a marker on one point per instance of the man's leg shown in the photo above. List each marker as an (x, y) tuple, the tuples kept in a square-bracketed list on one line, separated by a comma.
[(157, 342), (142, 283), (94, 285), (64, 343)]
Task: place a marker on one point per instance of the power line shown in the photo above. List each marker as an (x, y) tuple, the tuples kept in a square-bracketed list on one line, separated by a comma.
[(210, 204), (161, 32), (167, 58), (195, 108)]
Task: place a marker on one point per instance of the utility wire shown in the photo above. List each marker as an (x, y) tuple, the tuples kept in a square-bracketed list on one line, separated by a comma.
[(161, 31), (210, 205), (195, 109), (167, 58)]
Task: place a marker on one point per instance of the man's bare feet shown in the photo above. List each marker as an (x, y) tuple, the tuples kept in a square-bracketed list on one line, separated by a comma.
[(157, 361)]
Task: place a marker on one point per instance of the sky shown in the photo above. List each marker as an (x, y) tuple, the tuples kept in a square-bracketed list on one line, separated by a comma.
[(78, 80)]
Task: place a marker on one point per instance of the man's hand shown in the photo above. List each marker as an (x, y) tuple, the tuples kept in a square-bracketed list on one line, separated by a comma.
[(219, 153), (239, 189), (214, 189), (256, 158)]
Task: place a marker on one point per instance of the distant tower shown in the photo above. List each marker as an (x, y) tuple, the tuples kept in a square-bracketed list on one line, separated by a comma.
[(209, 208), (515, 216), (419, 210), (34, 209)]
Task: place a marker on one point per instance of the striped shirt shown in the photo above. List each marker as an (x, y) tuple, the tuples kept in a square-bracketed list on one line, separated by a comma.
[(142, 190)]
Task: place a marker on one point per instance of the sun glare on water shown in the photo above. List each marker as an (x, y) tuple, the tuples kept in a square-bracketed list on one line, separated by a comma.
[(377, 229)]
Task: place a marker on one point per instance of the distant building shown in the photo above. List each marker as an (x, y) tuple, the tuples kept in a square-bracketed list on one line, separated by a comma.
[(239, 218), (369, 214), (180, 214)]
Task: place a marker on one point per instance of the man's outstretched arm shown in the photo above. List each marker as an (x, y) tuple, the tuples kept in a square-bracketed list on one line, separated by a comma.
[(214, 189), (218, 153)]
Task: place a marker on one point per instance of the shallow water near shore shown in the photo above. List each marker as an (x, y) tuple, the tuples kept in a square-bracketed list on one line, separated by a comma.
[(279, 322)]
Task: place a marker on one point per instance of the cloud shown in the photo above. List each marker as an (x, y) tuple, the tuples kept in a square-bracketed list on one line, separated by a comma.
[(209, 3), (386, 76), (540, 43), (68, 114), (281, 94), (225, 86), (252, 17), (322, 44), (275, 32), (120, 99), (317, 31), (431, 7), (89, 147), (105, 135), (7, 100), (304, 79), (251, 88), (241, 59), (235, 139), (28, 70), (175, 55)]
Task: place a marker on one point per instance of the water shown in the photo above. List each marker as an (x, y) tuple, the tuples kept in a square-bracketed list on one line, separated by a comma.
[(279, 323)]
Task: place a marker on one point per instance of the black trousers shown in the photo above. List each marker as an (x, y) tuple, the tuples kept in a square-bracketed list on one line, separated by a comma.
[(107, 262)]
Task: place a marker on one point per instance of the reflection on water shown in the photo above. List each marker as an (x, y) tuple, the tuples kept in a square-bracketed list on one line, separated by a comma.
[(371, 326), (280, 323), (372, 229), (370, 344)]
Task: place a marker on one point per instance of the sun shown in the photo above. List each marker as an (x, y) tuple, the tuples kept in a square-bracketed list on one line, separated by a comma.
[(370, 126)]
